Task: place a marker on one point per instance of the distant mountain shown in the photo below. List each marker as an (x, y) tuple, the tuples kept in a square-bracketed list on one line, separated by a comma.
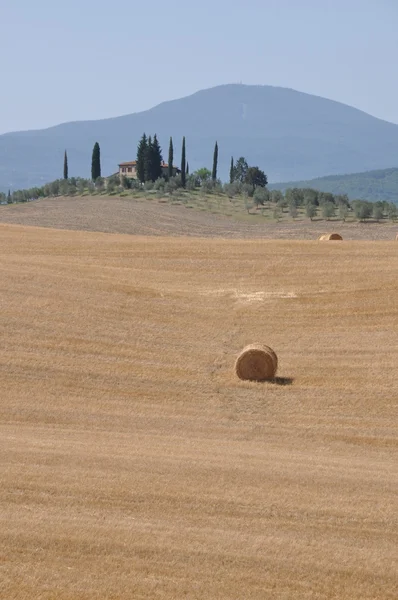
[(289, 134), (371, 185)]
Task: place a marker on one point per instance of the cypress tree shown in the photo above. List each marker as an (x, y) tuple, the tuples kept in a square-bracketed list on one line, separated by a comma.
[(183, 166), (171, 158), (232, 171), (156, 159), (148, 161), (65, 166), (9, 200), (141, 158), (215, 162), (187, 171), (96, 162)]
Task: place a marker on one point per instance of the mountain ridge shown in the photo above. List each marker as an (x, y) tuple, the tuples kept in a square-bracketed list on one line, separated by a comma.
[(289, 134), (164, 102)]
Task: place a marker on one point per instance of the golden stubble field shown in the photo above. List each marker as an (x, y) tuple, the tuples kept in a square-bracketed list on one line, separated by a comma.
[(135, 465)]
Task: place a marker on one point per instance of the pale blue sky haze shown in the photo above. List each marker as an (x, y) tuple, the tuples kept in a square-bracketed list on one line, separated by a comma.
[(90, 59)]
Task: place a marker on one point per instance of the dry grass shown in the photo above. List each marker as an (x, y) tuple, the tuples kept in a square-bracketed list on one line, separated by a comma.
[(150, 217), (136, 465)]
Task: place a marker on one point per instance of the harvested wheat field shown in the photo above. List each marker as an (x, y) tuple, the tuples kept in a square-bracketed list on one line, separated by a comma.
[(135, 463)]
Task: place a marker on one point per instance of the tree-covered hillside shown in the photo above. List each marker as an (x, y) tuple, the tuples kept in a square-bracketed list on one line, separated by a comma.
[(372, 185)]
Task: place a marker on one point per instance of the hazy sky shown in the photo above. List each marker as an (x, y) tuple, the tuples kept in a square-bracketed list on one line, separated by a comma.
[(64, 60)]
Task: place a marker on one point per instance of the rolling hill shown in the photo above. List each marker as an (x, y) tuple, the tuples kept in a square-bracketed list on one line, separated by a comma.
[(289, 134), (371, 185)]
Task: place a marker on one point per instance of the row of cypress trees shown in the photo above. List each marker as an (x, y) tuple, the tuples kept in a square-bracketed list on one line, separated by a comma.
[(149, 161), (95, 163)]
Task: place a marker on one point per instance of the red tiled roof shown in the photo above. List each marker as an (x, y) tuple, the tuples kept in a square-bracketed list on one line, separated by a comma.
[(166, 166), (133, 163)]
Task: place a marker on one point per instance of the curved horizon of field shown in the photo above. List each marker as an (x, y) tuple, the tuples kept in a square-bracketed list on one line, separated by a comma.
[(156, 217), (135, 464)]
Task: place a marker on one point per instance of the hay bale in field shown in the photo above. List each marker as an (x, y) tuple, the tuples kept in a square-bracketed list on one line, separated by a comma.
[(256, 362), (321, 237), (396, 237), (330, 236)]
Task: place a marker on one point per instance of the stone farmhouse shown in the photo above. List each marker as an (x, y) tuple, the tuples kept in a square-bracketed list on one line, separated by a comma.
[(129, 170)]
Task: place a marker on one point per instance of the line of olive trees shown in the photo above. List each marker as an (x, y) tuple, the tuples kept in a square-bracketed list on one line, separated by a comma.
[(313, 203), (325, 204)]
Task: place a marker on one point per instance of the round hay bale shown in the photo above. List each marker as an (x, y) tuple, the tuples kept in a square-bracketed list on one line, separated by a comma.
[(321, 237), (331, 236), (256, 362), (396, 237)]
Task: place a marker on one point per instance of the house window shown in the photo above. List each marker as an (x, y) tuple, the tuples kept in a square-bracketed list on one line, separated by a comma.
[(123, 169), (129, 169)]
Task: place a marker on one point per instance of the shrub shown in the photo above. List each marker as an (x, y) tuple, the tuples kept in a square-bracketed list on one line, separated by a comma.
[(202, 175), (71, 189), (191, 183), (261, 196), (229, 189), (233, 189), (343, 211), (310, 210), (99, 184), (111, 185), (173, 184), (247, 190), (362, 210), (276, 196), (207, 186), (392, 211), (378, 211), (81, 185), (293, 212), (277, 214), (328, 210), (159, 184), (217, 186), (63, 187)]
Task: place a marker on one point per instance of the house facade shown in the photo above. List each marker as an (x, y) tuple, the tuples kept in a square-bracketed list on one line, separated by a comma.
[(129, 169)]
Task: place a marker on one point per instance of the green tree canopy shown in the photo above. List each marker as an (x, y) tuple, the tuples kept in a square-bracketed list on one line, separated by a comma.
[(65, 165), (215, 163), (170, 159), (310, 196), (156, 159), (96, 162), (141, 155), (183, 164), (261, 196), (232, 171), (310, 210), (203, 174), (256, 177), (240, 170), (148, 161), (362, 209), (328, 209)]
